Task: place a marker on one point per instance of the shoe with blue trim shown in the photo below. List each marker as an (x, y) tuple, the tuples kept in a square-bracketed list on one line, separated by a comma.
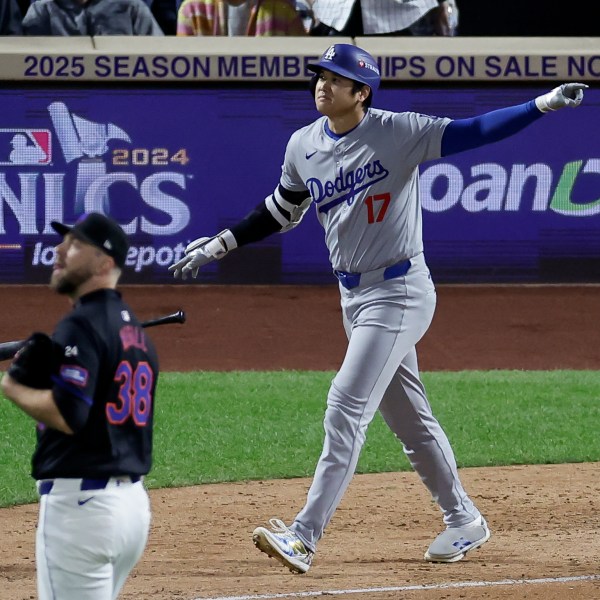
[(452, 545), (283, 545)]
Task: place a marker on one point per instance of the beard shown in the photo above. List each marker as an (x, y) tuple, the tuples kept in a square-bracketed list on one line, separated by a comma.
[(68, 283)]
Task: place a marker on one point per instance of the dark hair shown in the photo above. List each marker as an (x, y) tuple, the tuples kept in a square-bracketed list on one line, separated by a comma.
[(356, 87)]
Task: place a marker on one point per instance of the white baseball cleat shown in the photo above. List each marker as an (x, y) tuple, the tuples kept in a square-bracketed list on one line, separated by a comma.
[(283, 545), (452, 545)]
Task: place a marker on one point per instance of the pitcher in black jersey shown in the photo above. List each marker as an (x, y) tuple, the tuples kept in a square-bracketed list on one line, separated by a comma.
[(91, 387)]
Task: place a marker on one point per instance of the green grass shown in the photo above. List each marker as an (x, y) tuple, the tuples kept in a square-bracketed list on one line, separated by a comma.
[(212, 427)]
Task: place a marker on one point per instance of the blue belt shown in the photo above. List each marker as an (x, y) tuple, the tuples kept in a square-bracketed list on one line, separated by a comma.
[(86, 484), (352, 280)]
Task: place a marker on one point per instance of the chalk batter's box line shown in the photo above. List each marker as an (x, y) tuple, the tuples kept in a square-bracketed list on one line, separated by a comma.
[(412, 588)]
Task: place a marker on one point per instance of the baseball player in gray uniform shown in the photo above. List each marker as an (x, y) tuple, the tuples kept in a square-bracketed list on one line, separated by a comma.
[(359, 167)]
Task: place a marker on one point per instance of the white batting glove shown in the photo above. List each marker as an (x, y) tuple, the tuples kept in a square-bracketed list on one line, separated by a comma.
[(567, 94), (200, 252)]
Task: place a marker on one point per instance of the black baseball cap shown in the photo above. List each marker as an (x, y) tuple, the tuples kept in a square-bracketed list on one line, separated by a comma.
[(100, 231)]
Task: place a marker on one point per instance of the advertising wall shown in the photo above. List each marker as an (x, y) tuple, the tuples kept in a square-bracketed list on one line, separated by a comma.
[(174, 164), (176, 157)]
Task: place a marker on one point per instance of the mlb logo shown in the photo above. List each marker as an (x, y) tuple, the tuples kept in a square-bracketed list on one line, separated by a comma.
[(25, 147)]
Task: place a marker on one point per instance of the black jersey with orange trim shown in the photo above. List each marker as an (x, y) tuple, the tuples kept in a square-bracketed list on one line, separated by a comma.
[(105, 390)]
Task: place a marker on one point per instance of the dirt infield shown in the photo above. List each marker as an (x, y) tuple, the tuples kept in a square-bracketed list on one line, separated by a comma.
[(544, 519)]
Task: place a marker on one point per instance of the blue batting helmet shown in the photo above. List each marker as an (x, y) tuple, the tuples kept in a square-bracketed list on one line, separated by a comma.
[(351, 62)]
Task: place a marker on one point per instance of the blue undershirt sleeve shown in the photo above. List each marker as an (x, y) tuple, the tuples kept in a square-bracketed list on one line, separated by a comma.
[(466, 134)]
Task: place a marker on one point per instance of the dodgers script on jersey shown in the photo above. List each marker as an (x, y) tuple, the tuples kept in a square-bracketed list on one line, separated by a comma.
[(365, 184)]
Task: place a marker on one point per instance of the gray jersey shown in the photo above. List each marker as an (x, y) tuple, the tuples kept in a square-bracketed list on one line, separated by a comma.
[(365, 185)]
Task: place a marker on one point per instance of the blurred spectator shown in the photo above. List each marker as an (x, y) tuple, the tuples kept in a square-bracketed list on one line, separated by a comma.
[(90, 17), (10, 18), (275, 17), (442, 20), (23, 6), (531, 18), (239, 13), (260, 18), (305, 11), (379, 17), (165, 13)]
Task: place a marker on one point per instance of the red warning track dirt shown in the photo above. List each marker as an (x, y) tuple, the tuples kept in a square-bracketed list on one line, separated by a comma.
[(544, 518)]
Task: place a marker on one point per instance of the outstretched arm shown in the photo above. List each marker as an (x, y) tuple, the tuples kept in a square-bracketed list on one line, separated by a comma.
[(466, 134), (280, 212)]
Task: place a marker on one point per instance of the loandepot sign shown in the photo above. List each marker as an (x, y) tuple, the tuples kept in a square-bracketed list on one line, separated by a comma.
[(494, 187)]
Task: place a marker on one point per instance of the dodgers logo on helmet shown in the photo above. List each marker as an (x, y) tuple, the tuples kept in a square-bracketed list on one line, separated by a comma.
[(329, 53), (25, 147), (351, 62)]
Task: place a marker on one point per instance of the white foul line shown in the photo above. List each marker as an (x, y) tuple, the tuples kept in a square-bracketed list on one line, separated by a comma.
[(411, 588)]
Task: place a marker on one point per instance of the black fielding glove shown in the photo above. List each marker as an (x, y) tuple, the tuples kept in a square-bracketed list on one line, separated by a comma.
[(36, 362)]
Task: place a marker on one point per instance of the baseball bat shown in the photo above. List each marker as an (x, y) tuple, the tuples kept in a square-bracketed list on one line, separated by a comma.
[(176, 317), (9, 349)]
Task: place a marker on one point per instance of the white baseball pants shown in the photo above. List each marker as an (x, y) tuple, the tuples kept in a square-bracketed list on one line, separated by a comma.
[(383, 322), (88, 542)]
